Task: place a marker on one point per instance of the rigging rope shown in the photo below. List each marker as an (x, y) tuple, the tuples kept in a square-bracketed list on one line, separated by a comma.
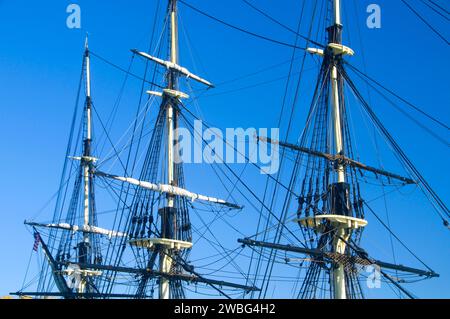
[(410, 104), (426, 22), (288, 197), (241, 29), (238, 177), (398, 108), (435, 10), (439, 6), (281, 24), (437, 202), (396, 237), (124, 70)]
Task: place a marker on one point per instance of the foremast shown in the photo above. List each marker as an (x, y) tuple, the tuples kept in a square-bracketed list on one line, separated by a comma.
[(87, 162), (78, 279)]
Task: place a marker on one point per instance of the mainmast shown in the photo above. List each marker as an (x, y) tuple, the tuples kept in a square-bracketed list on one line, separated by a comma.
[(330, 206), (168, 218), (335, 221), (336, 80), (340, 211), (339, 244)]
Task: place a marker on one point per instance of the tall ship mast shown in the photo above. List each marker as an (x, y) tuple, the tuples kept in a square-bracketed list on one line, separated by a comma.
[(303, 228), (331, 210)]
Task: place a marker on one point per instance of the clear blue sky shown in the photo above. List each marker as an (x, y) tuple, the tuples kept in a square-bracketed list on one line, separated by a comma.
[(40, 64)]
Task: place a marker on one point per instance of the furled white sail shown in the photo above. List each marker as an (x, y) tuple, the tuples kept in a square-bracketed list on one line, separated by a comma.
[(84, 229), (173, 66), (169, 189)]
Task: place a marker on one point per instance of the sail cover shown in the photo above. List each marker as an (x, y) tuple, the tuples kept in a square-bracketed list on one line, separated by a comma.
[(169, 189)]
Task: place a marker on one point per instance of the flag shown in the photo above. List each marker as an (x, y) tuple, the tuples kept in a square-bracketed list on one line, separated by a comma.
[(37, 241)]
